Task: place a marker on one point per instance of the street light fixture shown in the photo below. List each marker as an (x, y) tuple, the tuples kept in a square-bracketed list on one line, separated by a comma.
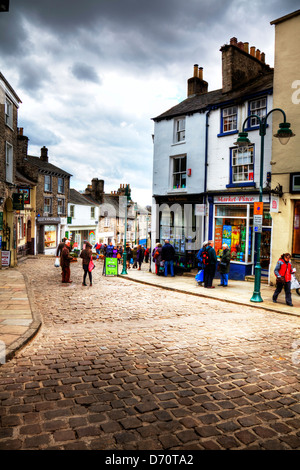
[(127, 202), (284, 134)]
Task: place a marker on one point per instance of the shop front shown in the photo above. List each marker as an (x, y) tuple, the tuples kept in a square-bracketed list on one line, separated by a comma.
[(48, 231), (181, 222), (233, 224)]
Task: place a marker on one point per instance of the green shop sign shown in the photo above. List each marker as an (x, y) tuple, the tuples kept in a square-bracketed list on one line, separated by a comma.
[(111, 266)]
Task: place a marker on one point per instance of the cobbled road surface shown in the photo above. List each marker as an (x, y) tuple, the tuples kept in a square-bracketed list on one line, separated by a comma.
[(126, 366)]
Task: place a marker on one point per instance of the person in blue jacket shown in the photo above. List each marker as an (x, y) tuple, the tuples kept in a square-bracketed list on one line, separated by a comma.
[(200, 264), (210, 267)]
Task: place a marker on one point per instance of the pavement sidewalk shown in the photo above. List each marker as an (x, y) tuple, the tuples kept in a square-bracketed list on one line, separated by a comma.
[(238, 292), (19, 321)]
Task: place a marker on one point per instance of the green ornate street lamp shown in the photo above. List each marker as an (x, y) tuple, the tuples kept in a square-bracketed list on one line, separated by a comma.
[(284, 134), (127, 202)]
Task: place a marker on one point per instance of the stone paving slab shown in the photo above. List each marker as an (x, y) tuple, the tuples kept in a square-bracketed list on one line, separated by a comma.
[(19, 322), (126, 366)]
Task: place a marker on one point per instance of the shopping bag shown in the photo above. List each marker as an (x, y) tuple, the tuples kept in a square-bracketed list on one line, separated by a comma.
[(200, 276), (57, 263), (91, 265)]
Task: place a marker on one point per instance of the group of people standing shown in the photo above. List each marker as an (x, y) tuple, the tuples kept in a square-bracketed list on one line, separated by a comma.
[(208, 262), (164, 256), (63, 252), (136, 256)]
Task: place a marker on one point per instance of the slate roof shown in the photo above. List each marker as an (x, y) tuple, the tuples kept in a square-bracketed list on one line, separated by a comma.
[(46, 167), (216, 98), (78, 198)]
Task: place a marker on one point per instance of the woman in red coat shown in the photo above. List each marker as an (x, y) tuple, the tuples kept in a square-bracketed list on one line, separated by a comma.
[(283, 273)]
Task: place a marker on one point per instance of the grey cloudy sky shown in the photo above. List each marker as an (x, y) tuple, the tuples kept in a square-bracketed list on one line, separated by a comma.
[(92, 74)]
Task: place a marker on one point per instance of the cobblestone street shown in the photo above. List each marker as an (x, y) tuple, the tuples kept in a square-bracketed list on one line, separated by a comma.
[(121, 365)]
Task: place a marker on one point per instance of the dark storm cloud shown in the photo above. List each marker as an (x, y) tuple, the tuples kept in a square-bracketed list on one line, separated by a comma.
[(85, 72)]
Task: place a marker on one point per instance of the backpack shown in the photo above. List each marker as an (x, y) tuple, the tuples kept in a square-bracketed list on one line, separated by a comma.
[(205, 257)]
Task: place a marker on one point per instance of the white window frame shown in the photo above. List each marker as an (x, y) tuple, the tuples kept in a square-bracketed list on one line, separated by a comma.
[(179, 173), (229, 119), (258, 107), (72, 210), (242, 164), (106, 222), (92, 212), (9, 113), (9, 162), (60, 206), (179, 130)]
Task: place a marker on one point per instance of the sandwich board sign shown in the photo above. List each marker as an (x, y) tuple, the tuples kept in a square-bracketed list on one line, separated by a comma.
[(111, 266)]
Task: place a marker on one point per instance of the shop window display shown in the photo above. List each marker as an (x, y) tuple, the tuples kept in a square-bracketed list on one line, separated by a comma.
[(50, 236), (231, 228)]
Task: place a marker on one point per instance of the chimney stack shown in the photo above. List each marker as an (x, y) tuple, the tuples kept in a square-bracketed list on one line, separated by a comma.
[(196, 84), (238, 66), (44, 154)]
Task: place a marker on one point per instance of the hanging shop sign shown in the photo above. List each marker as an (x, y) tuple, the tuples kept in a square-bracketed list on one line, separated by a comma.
[(18, 201)]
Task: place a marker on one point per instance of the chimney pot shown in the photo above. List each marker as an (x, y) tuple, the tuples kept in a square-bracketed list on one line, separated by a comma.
[(233, 41), (263, 57), (246, 47), (196, 70), (258, 54), (240, 45), (201, 73), (252, 51)]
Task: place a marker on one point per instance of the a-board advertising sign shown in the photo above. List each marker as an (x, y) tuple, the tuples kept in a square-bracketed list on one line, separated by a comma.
[(111, 266)]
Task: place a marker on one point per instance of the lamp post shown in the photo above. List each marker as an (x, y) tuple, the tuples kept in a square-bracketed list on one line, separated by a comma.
[(127, 201), (283, 134)]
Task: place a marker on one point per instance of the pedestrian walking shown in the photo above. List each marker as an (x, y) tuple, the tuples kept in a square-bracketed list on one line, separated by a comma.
[(224, 265), (65, 263), (134, 256), (128, 256), (283, 272), (168, 255), (86, 255), (209, 258), (147, 253), (140, 256)]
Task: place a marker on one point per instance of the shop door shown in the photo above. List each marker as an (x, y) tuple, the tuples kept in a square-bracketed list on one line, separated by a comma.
[(264, 251)]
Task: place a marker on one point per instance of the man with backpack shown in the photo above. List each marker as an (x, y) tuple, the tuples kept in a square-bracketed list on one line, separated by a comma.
[(209, 259)]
